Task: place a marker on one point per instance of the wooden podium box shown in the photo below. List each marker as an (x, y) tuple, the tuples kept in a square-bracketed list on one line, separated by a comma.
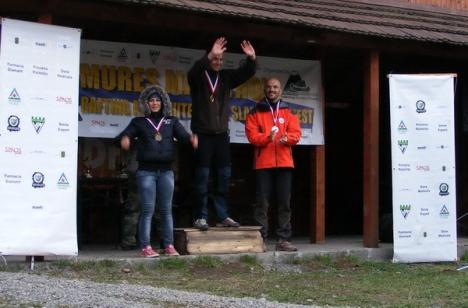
[(218, 240)]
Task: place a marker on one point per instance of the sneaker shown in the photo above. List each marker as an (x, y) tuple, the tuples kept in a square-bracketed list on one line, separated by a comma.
[(170, 251), (228, 222), (201, 224), (148, 252), (283, 245)]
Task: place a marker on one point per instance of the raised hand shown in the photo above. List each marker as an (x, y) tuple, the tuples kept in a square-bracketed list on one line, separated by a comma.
[(219, 47), (248, 49)]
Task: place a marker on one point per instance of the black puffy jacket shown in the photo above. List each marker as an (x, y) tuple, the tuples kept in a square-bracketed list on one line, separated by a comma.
[(155, 155)]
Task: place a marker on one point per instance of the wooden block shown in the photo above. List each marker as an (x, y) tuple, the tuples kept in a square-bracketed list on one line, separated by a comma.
[(218, 240)]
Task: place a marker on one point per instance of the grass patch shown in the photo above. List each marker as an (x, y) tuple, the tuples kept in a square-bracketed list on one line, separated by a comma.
[(464, 258), (249, 260), (337, 281), (207, 262), (171, 264)]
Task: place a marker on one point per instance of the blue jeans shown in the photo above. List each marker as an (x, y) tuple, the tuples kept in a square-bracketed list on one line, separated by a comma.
[(221, 193), (152, 184)]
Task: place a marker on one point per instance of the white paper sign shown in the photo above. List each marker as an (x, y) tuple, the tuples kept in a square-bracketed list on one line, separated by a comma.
[(423, 167), (39, 75)]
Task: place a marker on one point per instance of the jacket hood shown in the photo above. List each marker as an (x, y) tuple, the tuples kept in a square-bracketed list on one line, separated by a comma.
[(150, 91)]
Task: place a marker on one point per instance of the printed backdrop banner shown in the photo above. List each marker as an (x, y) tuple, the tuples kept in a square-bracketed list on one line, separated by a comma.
[(112, 75), (39, 71), (423, 167)]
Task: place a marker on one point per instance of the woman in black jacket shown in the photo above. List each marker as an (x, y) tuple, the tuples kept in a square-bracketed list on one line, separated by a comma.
[(154, 136)]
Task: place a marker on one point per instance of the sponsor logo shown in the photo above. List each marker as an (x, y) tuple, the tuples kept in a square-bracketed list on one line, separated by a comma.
[(62, 154), (443, 189), (16, 40), (405, 234), (13, 123), (402, 127), (404, 167), (425, 168), (14, 97), (67, 100), (114, 124), (154, 55), (38, 180), (63, 127), (421, 148), (444, 213), (444, 233), (62, 182), (442, 147), (12, 178), (403, 144), (422, 126), (295, 83), (420, 106), (423, 189), (402, 189), (37, 123), (98, 123), (185, 60), (40, 70), (171, 57), (40, 44), (64, 74), (38, 152), (106, 53), (64, 45), (122, 56), (424, 212), (405, 210), (37, 207), (442, 128), (167, 121), (14, 150), (444, 168), (15, 67)]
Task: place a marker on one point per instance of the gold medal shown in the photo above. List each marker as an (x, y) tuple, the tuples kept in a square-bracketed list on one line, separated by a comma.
[(212, 99), (158, 136)]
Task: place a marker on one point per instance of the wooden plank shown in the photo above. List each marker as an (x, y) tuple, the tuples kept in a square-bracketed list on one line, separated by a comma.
[(241, 228), (221, 235), (225, 247), (371, 151)]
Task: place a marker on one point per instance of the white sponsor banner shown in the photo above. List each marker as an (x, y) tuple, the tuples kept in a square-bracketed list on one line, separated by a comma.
[(423, 167), (112, 75), (39, 78)]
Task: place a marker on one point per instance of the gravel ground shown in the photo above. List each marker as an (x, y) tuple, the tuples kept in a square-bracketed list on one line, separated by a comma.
[(32, 289)]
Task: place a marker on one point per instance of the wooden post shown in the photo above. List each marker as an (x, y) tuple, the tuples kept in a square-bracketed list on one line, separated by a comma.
[(317, 206), (371, 150)]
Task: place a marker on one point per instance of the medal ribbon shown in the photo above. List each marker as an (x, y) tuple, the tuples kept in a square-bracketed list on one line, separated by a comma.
[(157, 128), (274, 114), (210, 83)]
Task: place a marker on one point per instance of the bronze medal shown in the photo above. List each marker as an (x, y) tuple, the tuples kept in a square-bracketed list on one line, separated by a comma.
[(158, 136)]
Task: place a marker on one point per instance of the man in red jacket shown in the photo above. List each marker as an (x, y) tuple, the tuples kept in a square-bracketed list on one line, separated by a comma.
[(273, 130)]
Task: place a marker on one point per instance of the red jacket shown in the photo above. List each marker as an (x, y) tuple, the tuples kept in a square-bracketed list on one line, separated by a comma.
[(268, 153)]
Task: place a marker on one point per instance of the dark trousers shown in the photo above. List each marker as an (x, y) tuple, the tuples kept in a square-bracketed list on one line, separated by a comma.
[(213, 152), (274, 182)]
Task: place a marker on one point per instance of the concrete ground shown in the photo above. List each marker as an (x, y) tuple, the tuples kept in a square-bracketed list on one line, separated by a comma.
[(333, 246)]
